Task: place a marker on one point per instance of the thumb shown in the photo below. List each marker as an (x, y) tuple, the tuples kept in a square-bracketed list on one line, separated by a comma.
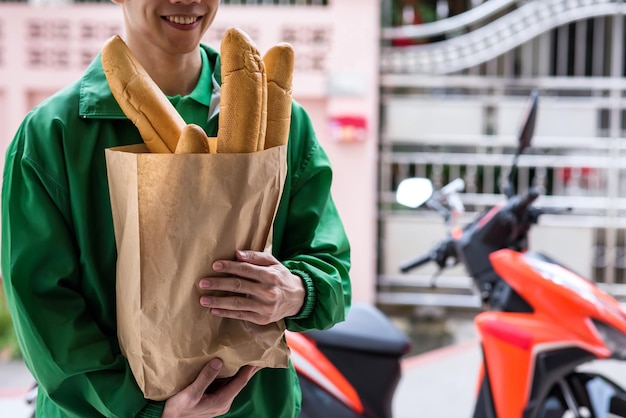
[(206, 376)]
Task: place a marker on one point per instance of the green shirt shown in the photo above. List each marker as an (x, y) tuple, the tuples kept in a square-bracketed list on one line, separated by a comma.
[(194, 108), (58, 251)]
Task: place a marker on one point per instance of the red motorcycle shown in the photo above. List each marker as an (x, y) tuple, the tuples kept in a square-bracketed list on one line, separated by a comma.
[(351, 370), (541, 321)]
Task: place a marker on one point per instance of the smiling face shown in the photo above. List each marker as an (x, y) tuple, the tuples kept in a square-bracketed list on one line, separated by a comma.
[(167, 26)]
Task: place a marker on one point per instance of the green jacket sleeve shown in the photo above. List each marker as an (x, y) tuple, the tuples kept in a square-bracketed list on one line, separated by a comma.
[(309, 237), (66, 332)]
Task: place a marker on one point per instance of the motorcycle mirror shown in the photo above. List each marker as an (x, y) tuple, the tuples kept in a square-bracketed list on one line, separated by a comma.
[(414, 192), (524, 138), (527, 127)]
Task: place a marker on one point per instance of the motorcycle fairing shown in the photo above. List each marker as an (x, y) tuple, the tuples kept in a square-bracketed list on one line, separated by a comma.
[(563, 305), (557, 294), (314, 365), (511, 343)]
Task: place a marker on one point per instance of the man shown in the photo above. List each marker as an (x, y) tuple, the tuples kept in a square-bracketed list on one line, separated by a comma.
[(58, 245)]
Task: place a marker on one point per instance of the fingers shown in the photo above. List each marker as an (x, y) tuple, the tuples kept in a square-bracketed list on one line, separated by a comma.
[(233, 286), (194, 402), (207, 375), (240, 294), (251, 309), (253, 286), (237, 304), (237, 383), (249, 264), (256, 257), (241, 308), (226, 394)]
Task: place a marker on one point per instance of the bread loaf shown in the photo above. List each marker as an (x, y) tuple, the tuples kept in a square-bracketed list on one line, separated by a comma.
[(255, 99), (279, 65), (243, 96), (141, 100), (193, 140)]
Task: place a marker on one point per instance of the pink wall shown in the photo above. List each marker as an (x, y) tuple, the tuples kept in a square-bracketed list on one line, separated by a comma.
[(44, 48)]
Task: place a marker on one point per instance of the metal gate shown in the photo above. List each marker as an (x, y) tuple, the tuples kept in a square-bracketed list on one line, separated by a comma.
[(452, 99)]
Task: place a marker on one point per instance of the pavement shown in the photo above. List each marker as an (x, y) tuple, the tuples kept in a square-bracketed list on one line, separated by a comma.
[(439, 383), (442, 383), (15, 382)]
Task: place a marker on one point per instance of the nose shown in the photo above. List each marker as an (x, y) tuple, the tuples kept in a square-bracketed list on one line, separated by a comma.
[(185, 1)]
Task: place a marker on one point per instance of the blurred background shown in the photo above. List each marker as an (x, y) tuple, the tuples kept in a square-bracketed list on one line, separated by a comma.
[(401, 88)]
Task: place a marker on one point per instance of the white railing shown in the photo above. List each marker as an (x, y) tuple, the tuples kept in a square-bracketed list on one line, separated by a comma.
[(480, 45), (452, 25)]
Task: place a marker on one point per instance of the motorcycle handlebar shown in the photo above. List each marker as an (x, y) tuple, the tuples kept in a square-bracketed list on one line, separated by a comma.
[(416, 262), (526, 200), (455, 186), (445, 249)]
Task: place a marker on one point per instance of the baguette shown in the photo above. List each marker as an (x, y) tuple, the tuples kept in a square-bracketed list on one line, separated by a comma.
[(279, 65), (141, 100), (193, 140), (243, 96)]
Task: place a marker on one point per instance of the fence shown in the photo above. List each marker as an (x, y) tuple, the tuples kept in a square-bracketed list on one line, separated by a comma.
[(451, 103)]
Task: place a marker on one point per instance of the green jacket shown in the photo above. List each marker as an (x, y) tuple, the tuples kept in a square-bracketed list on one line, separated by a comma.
[(58, 254)]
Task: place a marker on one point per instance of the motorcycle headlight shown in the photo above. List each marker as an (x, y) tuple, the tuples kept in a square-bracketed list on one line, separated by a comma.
[(614, 339), (563, 277)]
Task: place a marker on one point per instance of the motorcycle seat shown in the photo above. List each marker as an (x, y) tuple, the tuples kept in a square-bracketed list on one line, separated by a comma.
[(365, 329)]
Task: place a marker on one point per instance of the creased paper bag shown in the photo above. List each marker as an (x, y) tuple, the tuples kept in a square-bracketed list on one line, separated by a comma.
[(174, 215)]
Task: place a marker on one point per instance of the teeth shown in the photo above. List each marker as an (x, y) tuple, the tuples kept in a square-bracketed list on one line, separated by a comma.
[(183, 20)]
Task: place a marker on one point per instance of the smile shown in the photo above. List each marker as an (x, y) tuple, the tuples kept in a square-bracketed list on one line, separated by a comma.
[(182, 20)]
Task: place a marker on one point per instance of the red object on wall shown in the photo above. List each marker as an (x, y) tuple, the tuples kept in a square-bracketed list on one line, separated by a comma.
[(567, 174), (348, 128)]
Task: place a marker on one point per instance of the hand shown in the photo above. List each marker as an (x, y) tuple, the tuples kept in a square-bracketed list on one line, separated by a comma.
[(194, 402), (262, 290)]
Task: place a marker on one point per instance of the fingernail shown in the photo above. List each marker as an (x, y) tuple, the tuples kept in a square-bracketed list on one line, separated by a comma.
[(218, 266), (216, 364), (204, 301), (205, 284), (242, 255)]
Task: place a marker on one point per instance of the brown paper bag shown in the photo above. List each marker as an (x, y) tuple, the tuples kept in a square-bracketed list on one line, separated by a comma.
[(174, 215)]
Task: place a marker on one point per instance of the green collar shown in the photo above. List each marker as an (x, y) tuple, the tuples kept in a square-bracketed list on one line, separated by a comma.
[(97, 101), (204, 85)]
